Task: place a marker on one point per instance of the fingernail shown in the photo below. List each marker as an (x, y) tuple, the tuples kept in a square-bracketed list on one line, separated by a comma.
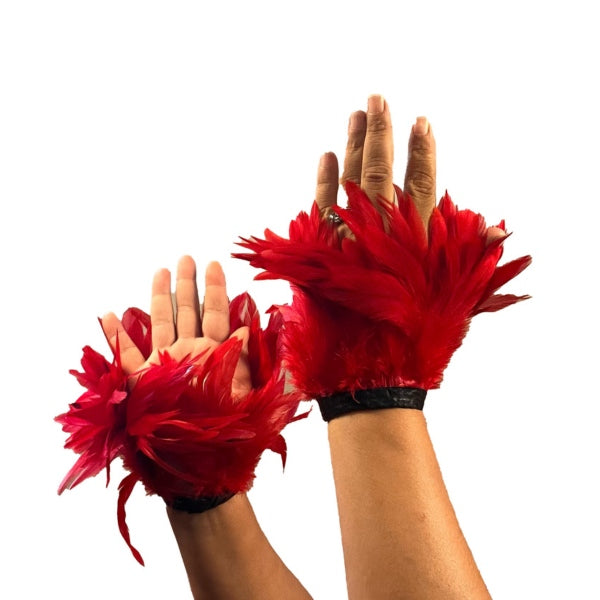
[(325, 160), (357, 121), (494, 233), (375, 104), (421, 127)]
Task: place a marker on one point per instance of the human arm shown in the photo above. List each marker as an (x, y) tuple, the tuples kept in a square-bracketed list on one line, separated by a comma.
[(225, 552), (227, 555), (400, 535), (384, 290)]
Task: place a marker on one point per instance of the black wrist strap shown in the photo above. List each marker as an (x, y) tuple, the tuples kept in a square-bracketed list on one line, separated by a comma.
[(200, 504), (344, 403)]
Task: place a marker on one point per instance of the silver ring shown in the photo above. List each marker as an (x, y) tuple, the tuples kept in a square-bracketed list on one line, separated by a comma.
[(334, 218)]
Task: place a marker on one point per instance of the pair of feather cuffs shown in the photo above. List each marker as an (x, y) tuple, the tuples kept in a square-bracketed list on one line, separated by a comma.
[(388, 305), (178, 429)]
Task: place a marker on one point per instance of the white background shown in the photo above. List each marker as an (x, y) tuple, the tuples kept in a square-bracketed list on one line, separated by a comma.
[(132, 132)]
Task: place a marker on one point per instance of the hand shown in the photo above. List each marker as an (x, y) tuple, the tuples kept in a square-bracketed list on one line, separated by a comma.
[(369, 163), (370, 156), (182, 330)]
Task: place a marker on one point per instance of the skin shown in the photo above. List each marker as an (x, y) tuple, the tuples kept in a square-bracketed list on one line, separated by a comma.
[(400, 535), (369, 160), (227, 555), (181, 329)]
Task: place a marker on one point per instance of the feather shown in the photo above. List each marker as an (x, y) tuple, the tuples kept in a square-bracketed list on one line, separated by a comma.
[(96, 420), (137, 325), (389, 306), (179, 430), (125, 489)]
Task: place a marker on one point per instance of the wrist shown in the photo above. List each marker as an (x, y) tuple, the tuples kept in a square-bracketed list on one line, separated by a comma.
[(198, 504), (345, 403), (375, 436), (234, 515), (216, 546), (227, 556)]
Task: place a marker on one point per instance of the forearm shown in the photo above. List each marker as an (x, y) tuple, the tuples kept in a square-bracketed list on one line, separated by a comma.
[(227, 556), (400, 535)]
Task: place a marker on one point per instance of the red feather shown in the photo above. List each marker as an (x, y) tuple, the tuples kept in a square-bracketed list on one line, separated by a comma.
[(389, 306), (188, 436), (96, 420), (137, 325), (179, 430)]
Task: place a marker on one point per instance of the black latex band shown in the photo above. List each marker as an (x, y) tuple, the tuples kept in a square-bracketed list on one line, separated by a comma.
[(200, 504), (344, 403)]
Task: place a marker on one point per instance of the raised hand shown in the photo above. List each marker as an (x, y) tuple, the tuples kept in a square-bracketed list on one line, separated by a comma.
[(181, 328), (190, 414), (369, 161)]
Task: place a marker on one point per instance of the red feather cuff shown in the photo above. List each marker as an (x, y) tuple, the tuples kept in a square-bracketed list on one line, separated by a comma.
[(389, 306), (179, 430)]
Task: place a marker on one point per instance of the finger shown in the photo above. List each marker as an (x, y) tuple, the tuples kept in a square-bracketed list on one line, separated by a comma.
[(327, 183), (378, 154), (188, 304), (215, 318), (419, 181), (357, 129), (130, 355), (493, 233), (161, 310)]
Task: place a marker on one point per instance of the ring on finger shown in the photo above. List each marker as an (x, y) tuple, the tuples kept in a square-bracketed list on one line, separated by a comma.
[(334, 218)]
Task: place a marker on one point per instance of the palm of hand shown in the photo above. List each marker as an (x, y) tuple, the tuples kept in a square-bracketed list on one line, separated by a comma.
[(183, 331), (201, 347)]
